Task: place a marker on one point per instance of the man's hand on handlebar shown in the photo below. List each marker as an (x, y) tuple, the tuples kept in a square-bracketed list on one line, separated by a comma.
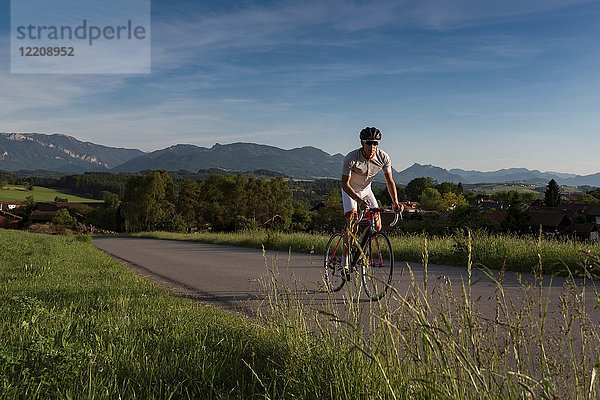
[(363, 204), (398, 208)]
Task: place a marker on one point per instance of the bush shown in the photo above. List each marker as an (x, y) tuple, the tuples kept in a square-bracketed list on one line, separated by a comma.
[(173, 223), (242, 223), (105, 218), (64, 218)]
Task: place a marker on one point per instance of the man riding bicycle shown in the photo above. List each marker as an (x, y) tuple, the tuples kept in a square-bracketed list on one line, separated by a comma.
[(359, 170)]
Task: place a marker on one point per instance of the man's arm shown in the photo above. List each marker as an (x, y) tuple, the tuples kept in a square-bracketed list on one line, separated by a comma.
[(391, 188), (350, 192)]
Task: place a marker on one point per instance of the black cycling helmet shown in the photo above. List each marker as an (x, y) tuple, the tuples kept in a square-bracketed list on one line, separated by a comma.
[(370, 134)]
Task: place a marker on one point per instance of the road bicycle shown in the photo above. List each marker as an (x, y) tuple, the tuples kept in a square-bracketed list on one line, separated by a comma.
[(373, 256)]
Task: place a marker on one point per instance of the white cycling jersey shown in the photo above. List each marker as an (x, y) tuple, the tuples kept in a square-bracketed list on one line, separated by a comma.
[(362, 171)]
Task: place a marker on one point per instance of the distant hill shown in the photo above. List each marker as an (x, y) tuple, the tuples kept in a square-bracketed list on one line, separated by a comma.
[(60, 154), (522, 175), (56, 152), (417, 171), (305, 162), (511, 175)]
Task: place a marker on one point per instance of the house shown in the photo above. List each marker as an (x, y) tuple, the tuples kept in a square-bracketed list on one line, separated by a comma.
[(410, 206), (585, 231), (554, 221), (9, 220), (570, 198), (47, 206), (42, 216), (10, 205), (69, 204), (593, 211), (491, 205)]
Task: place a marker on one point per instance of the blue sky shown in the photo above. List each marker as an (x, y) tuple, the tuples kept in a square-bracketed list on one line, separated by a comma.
[(458, 84)]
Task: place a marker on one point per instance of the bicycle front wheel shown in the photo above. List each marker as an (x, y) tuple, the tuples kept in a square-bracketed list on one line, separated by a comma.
[(377, 272), (333, 263)]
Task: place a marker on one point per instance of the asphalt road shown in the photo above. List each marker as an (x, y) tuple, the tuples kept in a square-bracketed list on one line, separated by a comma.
[(234, 278)]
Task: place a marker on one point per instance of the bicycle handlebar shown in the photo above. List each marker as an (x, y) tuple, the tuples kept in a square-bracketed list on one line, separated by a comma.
[(379, 210)]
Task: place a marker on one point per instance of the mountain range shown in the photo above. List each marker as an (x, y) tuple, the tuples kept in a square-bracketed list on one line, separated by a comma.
[(58, 153), (36, 151)]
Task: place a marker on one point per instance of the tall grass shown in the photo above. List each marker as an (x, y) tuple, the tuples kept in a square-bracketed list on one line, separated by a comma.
[(437, 344), (492, 251)]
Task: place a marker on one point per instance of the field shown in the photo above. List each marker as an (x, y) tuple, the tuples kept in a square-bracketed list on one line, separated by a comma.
[(39, 193), (76, 324), (492, 188)]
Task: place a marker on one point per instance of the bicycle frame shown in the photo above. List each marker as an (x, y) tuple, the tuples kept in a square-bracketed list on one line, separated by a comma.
[(366, 234), (372, 248)]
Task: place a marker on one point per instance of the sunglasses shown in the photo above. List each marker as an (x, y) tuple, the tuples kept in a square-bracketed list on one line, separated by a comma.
[(371, 142)]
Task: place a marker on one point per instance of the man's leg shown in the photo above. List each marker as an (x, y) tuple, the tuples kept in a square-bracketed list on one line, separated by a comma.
[(374, 204), (351, 228), (351, 231)]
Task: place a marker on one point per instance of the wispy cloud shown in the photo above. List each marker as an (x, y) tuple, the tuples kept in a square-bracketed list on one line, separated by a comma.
[(456, 14)]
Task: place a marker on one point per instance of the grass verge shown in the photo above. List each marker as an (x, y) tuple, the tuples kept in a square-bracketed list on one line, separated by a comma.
[(513, 253), (76, 324)]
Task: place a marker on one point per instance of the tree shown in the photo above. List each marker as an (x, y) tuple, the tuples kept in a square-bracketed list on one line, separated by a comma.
[(552, 194), (528, 197), (111, 200), (595, 193), (63, 217), (465, 217), (415, 188), (431, 200), (146, 201), (188, 203), (29, 204), (516, 220), (331, 216), (3, 183), (447, 187), (452, 200), (301, 218), (588, 199), (107, 216), (225, 199)]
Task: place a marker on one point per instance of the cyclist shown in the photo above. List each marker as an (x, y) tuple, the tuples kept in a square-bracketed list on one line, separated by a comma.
[(359, 169)]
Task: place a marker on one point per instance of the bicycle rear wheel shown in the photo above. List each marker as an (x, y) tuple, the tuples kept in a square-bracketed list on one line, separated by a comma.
[(334, 278), (377, 272)]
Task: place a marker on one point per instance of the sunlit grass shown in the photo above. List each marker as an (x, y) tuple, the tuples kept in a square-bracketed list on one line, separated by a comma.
[(76, 324), (39, 193)]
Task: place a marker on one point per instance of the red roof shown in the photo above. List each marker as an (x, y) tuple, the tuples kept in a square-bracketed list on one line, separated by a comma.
[(38, 215)]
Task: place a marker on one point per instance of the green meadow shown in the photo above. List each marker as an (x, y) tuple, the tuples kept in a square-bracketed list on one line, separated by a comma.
[(39, 193)]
